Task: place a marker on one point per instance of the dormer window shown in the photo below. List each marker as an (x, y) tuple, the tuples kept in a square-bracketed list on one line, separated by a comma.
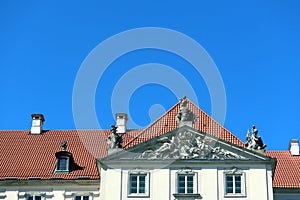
[(64, 161), (63, 164)]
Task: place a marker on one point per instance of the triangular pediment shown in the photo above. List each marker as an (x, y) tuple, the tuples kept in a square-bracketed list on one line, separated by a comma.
[(186, 143)]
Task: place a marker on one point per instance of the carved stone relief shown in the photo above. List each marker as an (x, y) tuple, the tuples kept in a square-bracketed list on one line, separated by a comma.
[(187, 145)]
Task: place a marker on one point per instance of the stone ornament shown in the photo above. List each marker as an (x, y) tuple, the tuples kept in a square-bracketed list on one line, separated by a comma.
[(253, 141), (114, 140), (184, 114), (64, 145), (187, 145)]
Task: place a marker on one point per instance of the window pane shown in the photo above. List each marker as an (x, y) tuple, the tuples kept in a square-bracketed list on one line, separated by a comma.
[(85, 198), (229, 190), (141, 190), (181, 184), (238, 188), (133, 183), (62, 164), (190, 183), (78, 198), (229, 184), (38, 198), (30, 198), (142, 183)]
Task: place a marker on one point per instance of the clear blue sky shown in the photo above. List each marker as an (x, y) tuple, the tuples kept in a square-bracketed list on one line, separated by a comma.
[(254, 44)]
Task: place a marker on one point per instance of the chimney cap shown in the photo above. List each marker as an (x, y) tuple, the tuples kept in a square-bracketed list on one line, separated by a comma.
[(122, 115), (40, 116), (294, 147)]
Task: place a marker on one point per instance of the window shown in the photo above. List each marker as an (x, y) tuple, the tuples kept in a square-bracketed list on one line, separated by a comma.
[(34, 197), (82, 198), (62, 164), (138, 184), (235, 184), (185, 183)]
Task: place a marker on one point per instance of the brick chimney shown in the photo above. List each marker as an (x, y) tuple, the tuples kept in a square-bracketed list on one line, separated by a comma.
[(121, 120), (37, 123), (294, 147)]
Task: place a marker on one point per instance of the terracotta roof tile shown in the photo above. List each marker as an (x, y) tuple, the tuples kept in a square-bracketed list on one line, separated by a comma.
[(24, 155), (287, 173), (167, 123)]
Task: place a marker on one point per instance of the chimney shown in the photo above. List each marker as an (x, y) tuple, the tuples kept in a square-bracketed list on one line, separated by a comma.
[(121, 119), (37, 123), (294, 147)]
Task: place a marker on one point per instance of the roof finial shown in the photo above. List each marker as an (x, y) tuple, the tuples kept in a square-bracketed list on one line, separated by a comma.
[(64, 145)]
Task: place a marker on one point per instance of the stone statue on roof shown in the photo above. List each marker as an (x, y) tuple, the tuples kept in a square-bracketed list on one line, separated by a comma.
[(253, 141), (185, 116), (114, 140), (64, 145)]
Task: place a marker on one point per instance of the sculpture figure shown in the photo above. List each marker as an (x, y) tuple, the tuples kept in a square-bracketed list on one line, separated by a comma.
[(184, 113), (64, 145), (253, 141), (186, 145), (114, 140)]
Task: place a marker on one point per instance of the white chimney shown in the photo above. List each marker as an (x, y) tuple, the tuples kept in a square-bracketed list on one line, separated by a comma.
[(121, 119), (37, 123), (294, 147)]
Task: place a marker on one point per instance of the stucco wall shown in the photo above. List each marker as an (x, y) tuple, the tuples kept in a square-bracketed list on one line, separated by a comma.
[(210, 182), (58, 192)]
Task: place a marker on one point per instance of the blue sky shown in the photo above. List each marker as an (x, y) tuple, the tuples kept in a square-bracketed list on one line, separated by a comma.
[(254, 44)]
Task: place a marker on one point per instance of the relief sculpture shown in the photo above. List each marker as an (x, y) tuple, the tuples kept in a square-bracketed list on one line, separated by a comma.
[(187, 145)]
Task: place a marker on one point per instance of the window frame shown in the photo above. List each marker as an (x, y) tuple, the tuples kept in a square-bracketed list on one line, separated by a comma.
[(81, 196), (67, 170), (34, 196), (147, 184), (187, 173), (234, 174)]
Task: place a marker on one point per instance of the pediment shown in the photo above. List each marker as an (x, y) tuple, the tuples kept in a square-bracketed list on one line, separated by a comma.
[(186, 143)]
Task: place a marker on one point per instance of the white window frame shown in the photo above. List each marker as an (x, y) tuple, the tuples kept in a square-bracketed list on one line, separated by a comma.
[(34, 196), (195, 181), (24, 195), (235, 173), (67, 170), (72, 194), (147, 184)]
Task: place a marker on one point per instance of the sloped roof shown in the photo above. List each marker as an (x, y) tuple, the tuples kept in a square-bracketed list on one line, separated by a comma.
[(287, 172), (167, 122), (24, 155)]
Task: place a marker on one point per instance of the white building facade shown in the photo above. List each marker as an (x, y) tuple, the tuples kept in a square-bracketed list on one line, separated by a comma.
[(186, 164)]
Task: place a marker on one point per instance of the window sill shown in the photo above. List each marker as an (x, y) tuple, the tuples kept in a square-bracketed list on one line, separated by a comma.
[(182, 196), (234, 195), (138, 195), (61, 172)]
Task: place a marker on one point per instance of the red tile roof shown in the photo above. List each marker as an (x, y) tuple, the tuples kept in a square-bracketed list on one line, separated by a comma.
[(23, 155), (167, 123), (26, 156), (287, 172)]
